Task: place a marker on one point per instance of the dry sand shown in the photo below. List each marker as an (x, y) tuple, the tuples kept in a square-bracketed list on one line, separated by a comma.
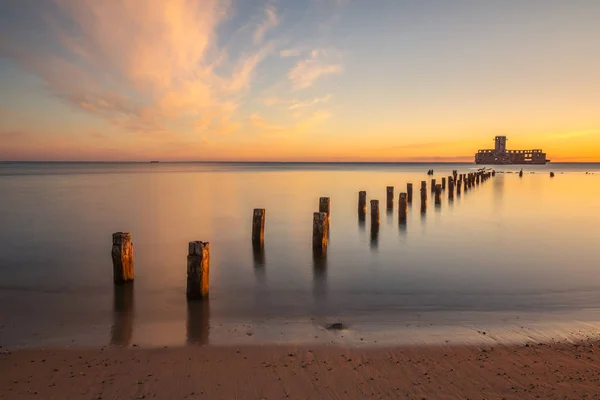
[(545, 371)]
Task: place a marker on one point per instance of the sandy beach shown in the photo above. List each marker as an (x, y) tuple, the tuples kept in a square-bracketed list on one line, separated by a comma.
[(530, 371)]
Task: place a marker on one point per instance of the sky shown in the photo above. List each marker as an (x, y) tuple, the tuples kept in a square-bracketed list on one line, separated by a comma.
[(297, 80)]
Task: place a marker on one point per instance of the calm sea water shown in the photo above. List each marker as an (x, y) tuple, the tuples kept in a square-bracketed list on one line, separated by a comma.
[(512, 254)]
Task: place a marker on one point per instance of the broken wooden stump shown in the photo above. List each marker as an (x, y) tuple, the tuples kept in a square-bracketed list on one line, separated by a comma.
[(320, 231), (444, 183), (551, 174), (258, 227), (409, 192), (374, 212), (432, 185), (438, 194), (325, 205), (362, 201), (198, 267), (122, 257), (389, 197), (402, 206)]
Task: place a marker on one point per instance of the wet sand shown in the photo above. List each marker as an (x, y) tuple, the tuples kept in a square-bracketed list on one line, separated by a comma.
[(545, 371)]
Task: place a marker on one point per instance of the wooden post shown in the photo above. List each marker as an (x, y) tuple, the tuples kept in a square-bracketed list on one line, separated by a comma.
[(320, 231), (258, 227), (409, 192), (521, 173), (325, 206), (450, 188), (494, 172), (122, 257), (402, 206), (443, 183), (438, 194), (362, 202), (198, 267), (423, 185), (551, 174), (458, 185), (423, 201), (375, 212), (390, 197), (432, 185)]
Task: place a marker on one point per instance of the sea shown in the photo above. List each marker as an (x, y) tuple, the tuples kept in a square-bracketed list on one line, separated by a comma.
[(513, 260)]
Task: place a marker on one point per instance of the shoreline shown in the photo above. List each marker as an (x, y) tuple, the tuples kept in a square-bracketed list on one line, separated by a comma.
[(549, 371)]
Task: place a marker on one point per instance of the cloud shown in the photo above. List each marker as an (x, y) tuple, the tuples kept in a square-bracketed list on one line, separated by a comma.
[(271, 21), (306, 72), (302, 104), (143, 66), (294, 52), (301, 126)]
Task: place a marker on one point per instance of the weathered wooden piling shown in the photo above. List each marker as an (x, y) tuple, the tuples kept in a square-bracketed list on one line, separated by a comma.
[(423, 196), (320, 231), (494, 173), (374, 212), (551, 174), (122, 257), (198, 268), (438, 194), (258, 227), (389, 200), (450, 188), (402, 206), (409, 192), (325, 205), (362, 201), (432, 185), (424, 185), (458, 185), (444, 183), (520, 173)]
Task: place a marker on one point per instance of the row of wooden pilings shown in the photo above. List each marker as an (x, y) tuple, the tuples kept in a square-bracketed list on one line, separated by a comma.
[(198, 258)]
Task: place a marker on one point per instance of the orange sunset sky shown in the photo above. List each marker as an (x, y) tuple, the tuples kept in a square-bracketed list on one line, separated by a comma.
[(298, 80)]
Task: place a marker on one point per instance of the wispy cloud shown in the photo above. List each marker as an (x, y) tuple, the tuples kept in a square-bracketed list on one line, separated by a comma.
[(293, 52), (302, 104), (271, 21), (145, 71), (306, 72)]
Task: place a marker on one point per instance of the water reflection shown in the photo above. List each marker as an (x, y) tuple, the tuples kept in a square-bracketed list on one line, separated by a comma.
[(198, 322), (389, 216), (258, 255), (498, 187), (123, 303), (374, 235), (319, 274), (362, 215)]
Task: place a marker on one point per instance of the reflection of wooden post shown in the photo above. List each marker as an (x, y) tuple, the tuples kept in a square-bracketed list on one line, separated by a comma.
[(122, 257), (325, 206), (362, 201), (402, 206), (374, 212), (320, 231), (438, 194), (198, 322), (258, 227), (432, 185), (121, 331), (198, 267), (409, 192), (444, 183), (389, 197)]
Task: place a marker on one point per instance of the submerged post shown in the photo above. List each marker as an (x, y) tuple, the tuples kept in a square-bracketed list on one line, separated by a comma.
[(551, 174), (198, 267), (375, 212), (444, 183), (438, 194), (389, 197), (320, 231), (325, 205), (362, 201), (458, 185), (450, 188), (402, 206), (432, 185), (409, 192), (122, 257), (258, 227), (521, 173)]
